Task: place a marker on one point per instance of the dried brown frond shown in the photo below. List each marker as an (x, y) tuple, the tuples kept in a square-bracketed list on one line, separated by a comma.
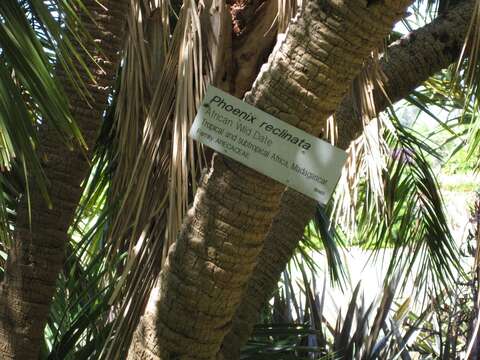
[(157, 165)]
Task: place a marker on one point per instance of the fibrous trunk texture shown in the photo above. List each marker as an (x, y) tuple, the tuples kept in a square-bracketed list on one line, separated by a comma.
[(254, 37), (410, 61), (36, 256), (206, 270), (246, 49)]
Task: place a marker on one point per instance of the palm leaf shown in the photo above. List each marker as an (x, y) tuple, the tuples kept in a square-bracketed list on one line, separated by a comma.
[(30, 97)]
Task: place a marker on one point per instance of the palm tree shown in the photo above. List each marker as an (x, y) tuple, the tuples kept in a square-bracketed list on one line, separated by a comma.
[(302, 83), (297, 210), (36, 253), (144, 143)]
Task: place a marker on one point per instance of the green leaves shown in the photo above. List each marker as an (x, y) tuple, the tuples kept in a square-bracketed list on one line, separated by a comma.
[(30, 96), (24, 53), (376, 331)]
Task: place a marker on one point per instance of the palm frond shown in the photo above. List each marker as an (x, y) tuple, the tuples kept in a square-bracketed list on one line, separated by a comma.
[(146, 165), (388, 185), (414, 223), (30, 97), (471, 55), (322, 236)]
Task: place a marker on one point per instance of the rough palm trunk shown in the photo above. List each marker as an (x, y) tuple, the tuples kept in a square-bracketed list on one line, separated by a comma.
[(252, 37), (304, 80), (36, 256), (411, 61)]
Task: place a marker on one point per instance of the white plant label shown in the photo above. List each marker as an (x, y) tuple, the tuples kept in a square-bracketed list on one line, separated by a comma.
[(268, 145)]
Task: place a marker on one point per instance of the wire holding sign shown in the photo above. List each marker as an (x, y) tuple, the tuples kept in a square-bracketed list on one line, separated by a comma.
[(268, 145)]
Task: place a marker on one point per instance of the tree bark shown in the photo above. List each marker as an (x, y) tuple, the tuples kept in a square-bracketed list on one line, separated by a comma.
[(409, 62), (253, 40), (303, 82), (37, 253), (251, 31)]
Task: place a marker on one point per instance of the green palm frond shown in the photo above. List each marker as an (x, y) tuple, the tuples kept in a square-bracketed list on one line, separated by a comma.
[(414, 222), (402, 209), (79, 325), (455, 92), (30, 98), (26, 56), (468, 69), (322, 236)]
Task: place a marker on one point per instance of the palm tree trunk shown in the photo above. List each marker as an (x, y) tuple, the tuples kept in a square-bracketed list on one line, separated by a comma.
[(252, 39), (37, 254), (206, 270), (411, 61)]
